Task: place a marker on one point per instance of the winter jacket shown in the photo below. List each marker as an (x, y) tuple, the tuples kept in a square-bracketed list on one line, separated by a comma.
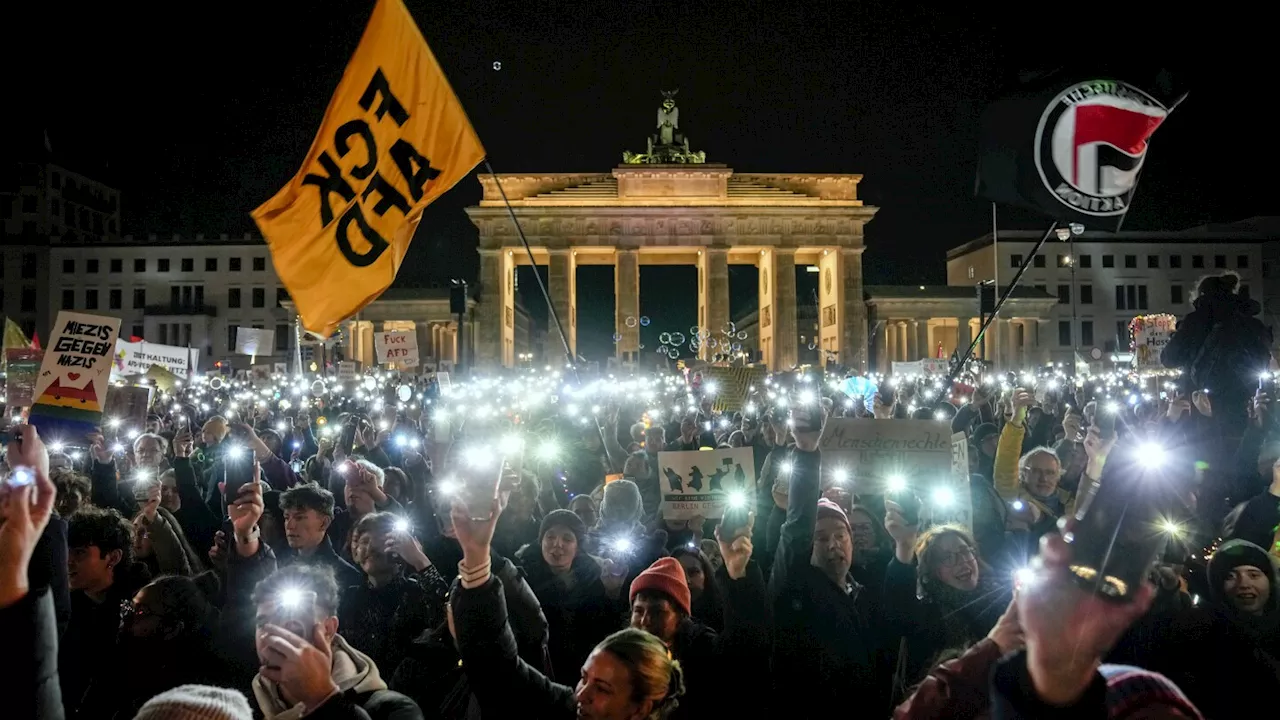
[(30, 686), (362, 693), (954, 690), (578, 617), (1117, 691), (825, 640)]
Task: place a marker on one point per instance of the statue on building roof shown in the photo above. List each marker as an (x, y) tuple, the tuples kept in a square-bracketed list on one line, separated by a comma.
[(668, 145)]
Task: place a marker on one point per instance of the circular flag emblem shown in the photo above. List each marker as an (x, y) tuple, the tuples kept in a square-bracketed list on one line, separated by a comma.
[(1090, 144)]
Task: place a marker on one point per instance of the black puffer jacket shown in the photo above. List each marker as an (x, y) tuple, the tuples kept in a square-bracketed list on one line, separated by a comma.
[(1228, 363), (579, 614)]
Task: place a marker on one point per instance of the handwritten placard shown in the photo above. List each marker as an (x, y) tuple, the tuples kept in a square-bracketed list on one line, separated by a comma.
[(71, 388)]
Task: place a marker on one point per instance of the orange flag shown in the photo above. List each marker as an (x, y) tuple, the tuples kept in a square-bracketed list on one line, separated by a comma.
[(393, 139)]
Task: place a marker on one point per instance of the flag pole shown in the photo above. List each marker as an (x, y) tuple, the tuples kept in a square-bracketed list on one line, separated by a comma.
[(995, 312), (542, 287)]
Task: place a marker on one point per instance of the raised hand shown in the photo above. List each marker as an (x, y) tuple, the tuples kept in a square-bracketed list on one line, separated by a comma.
[(26, 502), (303, 668), (736, 550)]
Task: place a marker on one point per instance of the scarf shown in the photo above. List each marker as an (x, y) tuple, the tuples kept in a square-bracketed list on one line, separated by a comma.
[(352, 671)]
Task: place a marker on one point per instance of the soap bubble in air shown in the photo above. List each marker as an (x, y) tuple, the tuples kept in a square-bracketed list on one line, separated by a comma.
[(644, 320), (617, 337), (729, 328), (664, 338), (677, 338), (742, 335), (631, 321), (497, 65)]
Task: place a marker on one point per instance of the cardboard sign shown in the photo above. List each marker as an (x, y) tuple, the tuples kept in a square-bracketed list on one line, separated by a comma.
[(923, 453), (22, 365), (397, 347), (698, 482), (1150, 334), (255, 341), (137, 358), (71, 389)]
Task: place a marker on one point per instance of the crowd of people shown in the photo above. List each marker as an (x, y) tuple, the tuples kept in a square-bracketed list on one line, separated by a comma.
[(295, 558)]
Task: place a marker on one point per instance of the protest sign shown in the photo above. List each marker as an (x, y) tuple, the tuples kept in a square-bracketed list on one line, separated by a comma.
[(397, 347), (22, 366), (137, 358), (699, 482), (255, 341), (1150, 334), (71, 388)]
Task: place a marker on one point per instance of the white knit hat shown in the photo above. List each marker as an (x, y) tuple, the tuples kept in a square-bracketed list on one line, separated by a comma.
[(196, 702)]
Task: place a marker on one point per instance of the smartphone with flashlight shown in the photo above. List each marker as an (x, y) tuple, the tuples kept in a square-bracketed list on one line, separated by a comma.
[(806, 412), (20, 476), (737, 515), (142, 485), (1106, 421), (1267, 385), (909, 502), (295, 611), (479, 473), (237, 468)]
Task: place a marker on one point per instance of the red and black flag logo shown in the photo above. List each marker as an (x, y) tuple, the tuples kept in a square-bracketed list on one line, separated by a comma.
[(1072, 148)]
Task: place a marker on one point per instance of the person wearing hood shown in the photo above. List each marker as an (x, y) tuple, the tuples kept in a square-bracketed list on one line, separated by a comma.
[(567, 582), (1221, 347), (625, 544), (307, 668)]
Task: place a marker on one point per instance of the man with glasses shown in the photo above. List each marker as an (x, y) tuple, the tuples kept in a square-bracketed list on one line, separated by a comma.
[(1029, 482)]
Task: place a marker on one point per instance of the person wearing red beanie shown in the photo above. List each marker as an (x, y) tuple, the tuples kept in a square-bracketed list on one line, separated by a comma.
[(660, 598)]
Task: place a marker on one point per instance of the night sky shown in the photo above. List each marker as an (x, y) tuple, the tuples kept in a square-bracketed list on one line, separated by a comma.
[(199, 116)]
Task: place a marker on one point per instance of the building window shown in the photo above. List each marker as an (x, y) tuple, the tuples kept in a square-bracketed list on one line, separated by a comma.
[(188, 264), (1015, 261), (1038, 261), (259, 264), (1086, 294), (1244, 291), (1064, 261), (1197, 261), (175, 295), (282, 338), (282, 295), (139, 265), (162, 265), (1086, 332), (186, 295), (231, 337), (1064, 294), (1153, 261), (970, 272), (164, 333), (1108, 261), (1122, 335), (117, 265), (259, 297), (68, 299), (1085, 261), (1142, 297), (115, 298), (1175, 261), (1175, 294), (139, 298), (211, 264), (30, 266), (1120, 297), (233, 298), (1064, 333), (90, 299), (1131, 261), (28, 299), (234, 264), (1242, 261), (69, 266), (136, 332), (1220, 261)]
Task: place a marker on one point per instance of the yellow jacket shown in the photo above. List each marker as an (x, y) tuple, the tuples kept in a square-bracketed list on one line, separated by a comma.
[(1005, 473)]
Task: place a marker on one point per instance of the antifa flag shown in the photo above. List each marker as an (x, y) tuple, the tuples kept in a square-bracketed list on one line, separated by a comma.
[(1071, 146), (393, 139)]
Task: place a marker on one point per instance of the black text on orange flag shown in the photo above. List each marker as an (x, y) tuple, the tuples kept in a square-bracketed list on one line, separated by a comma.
[(394, 138)]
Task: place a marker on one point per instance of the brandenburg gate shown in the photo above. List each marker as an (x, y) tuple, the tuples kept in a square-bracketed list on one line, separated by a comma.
[(669, 207)]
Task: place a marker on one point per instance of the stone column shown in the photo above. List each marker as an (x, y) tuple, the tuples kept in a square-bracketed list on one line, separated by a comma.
[(784, 311), (882, 348), (853, 343), (1008, 350), (626, 287), (422, 331), (922, 338), (891, 347), (766, 291), (493, 291), (714, 276), (964, 335), (562, 285), (1031, 341)]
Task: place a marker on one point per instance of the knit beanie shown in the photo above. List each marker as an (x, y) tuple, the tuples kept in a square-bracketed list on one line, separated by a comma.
[(667, 577), (563, 518), (1233, 554), (828, 509), (196, 702)]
